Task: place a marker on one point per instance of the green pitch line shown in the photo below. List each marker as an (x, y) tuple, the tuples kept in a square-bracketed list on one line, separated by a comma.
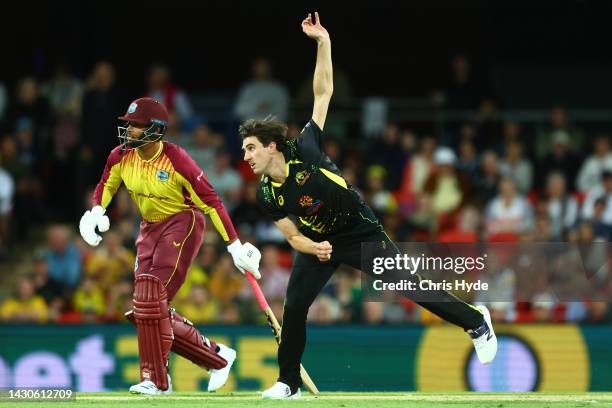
[(332, 400)]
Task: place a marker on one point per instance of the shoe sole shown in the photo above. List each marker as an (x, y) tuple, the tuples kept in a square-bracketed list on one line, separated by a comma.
[(291, 397)]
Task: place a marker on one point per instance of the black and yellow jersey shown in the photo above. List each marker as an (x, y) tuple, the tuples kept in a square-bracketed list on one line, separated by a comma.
[(314, 191)]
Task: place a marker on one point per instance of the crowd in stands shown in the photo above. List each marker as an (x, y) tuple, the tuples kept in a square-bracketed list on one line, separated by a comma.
[(484, 180)]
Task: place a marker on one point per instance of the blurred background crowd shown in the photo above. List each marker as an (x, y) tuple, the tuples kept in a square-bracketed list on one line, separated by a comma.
[(454, 164)]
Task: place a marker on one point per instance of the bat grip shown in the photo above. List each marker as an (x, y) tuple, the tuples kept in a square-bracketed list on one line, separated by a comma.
[(261, 299)]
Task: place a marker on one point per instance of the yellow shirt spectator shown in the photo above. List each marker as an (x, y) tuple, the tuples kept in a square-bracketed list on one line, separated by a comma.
[(225, 284), (111, 262), (32, 310), (26, 307), (89, 299), (195, 276), (200, 307)]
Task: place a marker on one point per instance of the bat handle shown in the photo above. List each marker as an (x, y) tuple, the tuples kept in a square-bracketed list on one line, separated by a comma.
[(261, 299)]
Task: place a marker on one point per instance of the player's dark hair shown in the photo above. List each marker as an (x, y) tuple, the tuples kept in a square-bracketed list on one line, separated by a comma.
[(266, 130)]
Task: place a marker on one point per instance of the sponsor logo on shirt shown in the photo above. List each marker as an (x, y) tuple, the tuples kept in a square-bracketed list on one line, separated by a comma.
[(162, 175), (281, 200)]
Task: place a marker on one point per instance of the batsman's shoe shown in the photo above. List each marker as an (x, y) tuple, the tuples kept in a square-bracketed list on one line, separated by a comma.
[(280, 391), (147, 387), (484, 339), (219, 377)]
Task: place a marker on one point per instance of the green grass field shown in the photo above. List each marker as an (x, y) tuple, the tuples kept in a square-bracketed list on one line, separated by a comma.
[(333, 399)]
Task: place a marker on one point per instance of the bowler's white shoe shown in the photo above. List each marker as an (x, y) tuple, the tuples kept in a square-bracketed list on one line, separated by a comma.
[(280, 391), (219, 377), (147, 387), (484, 339)]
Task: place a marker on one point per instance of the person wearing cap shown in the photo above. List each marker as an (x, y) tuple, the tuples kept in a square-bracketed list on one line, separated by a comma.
[(171, 193), (446, 186)]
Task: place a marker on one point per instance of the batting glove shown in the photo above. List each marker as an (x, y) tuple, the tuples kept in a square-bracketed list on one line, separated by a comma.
[(91, 220), (246, 257)]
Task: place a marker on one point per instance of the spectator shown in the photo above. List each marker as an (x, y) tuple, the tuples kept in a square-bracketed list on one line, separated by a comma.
[(277, 277), (447, 187), (102, 104), (489, 124), (7, 192), (501, 281), (25, 306), (560, 158), (65, 95), (509, 211), (111, 262), (468, 159), (88, 301), (602, 191), (247, 213), (226, 180), (224, 284), (63, 257), (324, 310), (589, 176), (262, 95), (176, 132), (388, 152), (198, 273), (462, 91), (515, 166), (601, 229), (46, 287), (160, 87), (562, 208), (486, 179), (118, 301), (200, 308), (343, 90), (202, 147), (377, 196), (558, 122), (416, 171), (599, 312), (30, 108), (28, 208)]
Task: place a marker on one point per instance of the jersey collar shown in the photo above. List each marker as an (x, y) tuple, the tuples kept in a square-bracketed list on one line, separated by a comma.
[(155, 156)]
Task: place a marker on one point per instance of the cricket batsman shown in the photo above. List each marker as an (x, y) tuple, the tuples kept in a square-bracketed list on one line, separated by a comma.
[(171, 193), (298, 180)]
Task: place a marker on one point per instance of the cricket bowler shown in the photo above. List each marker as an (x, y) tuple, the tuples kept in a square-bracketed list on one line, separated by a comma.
[(299, 180)]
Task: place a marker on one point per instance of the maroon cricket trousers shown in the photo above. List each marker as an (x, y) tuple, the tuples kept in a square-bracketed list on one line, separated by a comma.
[(165, 249)]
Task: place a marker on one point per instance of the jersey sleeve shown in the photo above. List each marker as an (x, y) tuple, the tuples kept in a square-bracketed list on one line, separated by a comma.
[(202, 193), (110, 181), (309, 143), (265, 199)]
